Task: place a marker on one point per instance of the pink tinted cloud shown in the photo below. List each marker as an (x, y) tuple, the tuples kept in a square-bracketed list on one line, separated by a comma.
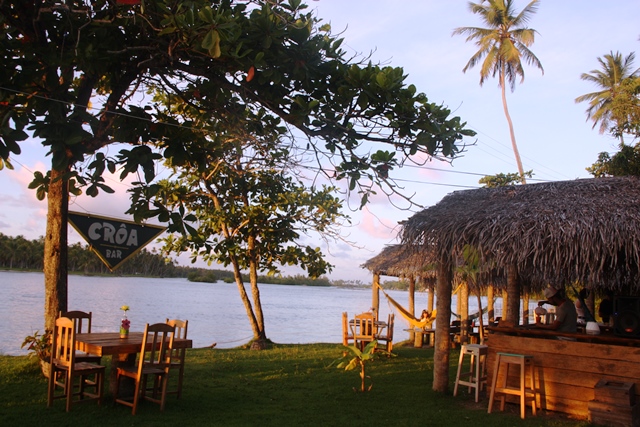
[(427, 169), (22, 214), (378, 227)]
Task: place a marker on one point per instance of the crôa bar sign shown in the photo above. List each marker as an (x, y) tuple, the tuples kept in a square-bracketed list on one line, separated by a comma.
[(128, 1)]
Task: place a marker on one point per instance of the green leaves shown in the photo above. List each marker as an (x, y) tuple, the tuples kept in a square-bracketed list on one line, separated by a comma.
[(358, 357), (40, 183), (354, 358), (211, 43), (206, 14), (294, 4), (138, 157), (193, 58), (5, 162)]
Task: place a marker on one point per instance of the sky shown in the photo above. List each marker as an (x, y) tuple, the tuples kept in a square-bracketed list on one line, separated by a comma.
[(554, 138)]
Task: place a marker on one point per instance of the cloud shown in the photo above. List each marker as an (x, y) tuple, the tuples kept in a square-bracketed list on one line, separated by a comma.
[(377, 227)]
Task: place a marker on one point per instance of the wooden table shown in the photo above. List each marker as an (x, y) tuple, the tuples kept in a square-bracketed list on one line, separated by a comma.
[(121, 350)]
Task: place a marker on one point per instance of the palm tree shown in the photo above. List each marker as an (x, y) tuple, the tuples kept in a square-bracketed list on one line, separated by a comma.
[(614, 71), (503, 45)]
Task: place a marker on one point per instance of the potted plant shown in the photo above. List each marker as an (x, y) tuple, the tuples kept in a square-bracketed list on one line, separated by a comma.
[(40, 346)]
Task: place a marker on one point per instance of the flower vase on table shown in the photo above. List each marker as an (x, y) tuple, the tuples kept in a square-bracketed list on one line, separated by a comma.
[(125, 323)]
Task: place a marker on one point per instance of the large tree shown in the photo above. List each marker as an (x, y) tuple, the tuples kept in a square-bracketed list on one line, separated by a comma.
[(249, 203), (615, 106), (76, 77), (502, 47)]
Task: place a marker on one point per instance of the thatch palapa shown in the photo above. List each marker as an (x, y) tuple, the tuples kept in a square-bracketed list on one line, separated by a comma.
[(586, 230), (399, 261)]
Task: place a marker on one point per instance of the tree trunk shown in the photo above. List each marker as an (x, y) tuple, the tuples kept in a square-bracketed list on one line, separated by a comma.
[(591, 303), (463, 296), (245, 299), (375, 293), (513, 295), (257, 304), (480, 318), (255, 290), (55, 248), (490, 310), (430, 299), (525, 305), (412, 295), (443, 318), (412, 303), (505, 305), (511, 131)]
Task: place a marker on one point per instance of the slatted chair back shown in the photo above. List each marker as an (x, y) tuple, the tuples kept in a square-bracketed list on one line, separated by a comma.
[(364, 329), (83, 325), (65, 368), (154, 360), (82, 318), (157, 344), (178, 355), (63, 343)]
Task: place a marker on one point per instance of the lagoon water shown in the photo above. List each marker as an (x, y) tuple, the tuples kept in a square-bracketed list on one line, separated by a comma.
[(293, 314)]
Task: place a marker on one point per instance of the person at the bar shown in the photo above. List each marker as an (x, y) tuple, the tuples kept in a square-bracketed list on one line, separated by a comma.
[(566, 315)]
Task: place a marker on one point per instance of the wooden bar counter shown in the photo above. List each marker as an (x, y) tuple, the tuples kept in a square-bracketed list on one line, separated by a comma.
[(567, 371)]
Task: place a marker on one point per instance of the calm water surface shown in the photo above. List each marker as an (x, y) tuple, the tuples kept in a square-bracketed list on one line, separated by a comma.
[(293, 314)]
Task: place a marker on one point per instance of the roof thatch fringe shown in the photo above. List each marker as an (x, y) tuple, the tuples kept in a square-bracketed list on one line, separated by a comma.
[(404, 261), (400, 261)]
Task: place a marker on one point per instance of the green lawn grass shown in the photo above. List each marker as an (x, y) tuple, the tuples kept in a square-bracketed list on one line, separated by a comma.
[(286, 385)]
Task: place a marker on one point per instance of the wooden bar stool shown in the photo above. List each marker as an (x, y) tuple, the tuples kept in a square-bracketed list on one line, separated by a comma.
[(525, 393), (476, 376)]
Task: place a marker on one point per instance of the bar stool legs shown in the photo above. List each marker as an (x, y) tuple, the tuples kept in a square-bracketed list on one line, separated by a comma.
[(525, 393), (476, 375)]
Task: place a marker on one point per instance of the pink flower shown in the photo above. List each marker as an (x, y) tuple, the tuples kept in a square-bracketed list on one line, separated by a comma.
[(125, 324)]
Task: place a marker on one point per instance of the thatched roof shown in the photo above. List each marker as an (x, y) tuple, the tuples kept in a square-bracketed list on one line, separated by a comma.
[(558, 232), (398, 261), (403, 261)]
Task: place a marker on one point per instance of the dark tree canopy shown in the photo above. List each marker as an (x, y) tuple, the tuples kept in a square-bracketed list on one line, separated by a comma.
[(76, 76), (80, 76)]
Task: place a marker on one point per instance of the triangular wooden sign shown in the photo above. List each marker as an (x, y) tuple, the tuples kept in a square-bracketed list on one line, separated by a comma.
[(113, 240)]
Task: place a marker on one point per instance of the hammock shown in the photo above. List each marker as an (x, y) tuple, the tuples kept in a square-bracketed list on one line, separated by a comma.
[(416, 323), (472, 316)]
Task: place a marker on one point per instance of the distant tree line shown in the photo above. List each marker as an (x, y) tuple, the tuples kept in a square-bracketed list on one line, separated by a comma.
[(18, 253), (22, 254), (205, 275), (396, 285)]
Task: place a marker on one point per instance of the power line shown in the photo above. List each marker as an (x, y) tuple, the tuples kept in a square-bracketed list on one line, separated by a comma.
[(523, 156), (303, 150)]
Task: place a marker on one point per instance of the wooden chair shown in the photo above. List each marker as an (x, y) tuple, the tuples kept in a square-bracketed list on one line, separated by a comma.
[(178, 354), (364, 329), (82, 318), (65, 369), (346, 331), (154, 361), (386, 340)]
